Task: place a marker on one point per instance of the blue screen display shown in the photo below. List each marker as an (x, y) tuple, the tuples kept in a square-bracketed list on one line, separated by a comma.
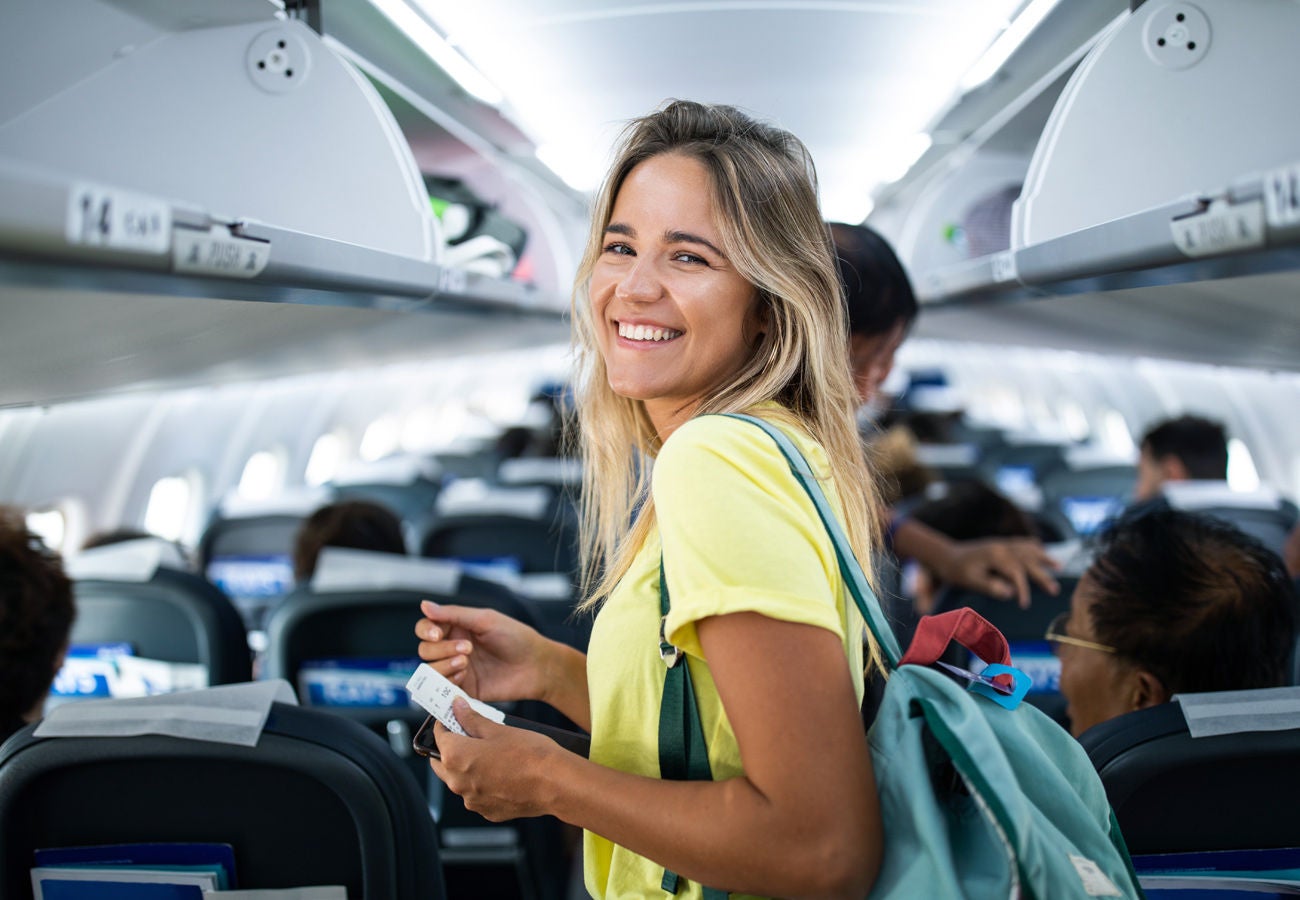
[(1088, 514), (356, 682), (249, 577), (1015, 479)]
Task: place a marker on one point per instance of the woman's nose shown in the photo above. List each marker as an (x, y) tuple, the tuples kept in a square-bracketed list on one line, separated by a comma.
[(640, 283)]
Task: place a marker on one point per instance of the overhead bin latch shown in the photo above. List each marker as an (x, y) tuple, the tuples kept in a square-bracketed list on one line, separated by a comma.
[(1220, 226), (216, 251)]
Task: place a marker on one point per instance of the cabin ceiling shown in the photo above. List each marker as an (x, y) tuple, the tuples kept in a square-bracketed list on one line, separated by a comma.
[(857, 81)]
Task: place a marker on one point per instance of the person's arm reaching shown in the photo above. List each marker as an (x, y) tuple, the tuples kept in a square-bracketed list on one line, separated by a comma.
[(999, 567)]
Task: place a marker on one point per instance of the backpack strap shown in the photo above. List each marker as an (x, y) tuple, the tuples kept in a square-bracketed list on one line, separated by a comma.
[(850, 569), (683, 755)]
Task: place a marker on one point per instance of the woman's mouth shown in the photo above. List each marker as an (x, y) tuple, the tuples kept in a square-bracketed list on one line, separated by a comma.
[(648, 333)]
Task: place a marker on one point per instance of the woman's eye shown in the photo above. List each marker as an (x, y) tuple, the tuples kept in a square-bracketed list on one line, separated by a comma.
[(683, 256), (618, 248)]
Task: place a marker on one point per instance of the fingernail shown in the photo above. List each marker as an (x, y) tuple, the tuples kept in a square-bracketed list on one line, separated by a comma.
[(459, 704), (463, 647), (428, 606), (435, 634), (458, 662)]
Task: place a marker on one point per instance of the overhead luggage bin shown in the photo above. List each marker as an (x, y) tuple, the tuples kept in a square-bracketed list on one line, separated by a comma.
[(1142, 122), (1164, 185), (227, 148)]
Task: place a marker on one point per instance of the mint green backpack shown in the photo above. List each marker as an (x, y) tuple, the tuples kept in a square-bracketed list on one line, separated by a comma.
[(982, 796)]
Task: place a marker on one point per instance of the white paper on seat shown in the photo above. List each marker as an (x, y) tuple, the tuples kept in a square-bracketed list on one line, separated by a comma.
[(342, 569), (473, 496), (1194, 495), (545, 586), (1232, 712), (228, 714), (402, 469), (135, 561), (546, 470)]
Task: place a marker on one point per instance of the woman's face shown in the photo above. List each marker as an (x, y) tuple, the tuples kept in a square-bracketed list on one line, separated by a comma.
[(1094, 683), (871, 359), (674, 320)]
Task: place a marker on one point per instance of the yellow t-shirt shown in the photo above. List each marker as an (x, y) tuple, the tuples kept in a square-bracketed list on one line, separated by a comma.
[(739, 534)]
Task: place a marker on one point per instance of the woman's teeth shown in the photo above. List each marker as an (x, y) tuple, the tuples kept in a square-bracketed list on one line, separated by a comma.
[(646, 333)]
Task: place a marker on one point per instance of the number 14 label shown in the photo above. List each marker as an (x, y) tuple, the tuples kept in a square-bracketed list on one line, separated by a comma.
[(106, 217)]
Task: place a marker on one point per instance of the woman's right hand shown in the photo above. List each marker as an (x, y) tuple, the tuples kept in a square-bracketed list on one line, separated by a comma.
[(492, 656)]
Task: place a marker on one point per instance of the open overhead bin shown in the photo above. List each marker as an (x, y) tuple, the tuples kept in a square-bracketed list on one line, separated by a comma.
[(1166, 162), (214, 149), (1166, 158)]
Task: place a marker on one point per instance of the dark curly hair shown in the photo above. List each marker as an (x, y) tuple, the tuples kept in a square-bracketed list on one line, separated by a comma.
[(1194, 600), (36, 613)]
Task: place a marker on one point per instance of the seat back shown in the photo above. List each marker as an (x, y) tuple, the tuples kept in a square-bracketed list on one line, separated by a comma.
[(1262, 513), (250, 558), (1080, 500), (1172, 792), (526, 531), (134, 593), (335, 618), (317, 800), (175, 617)]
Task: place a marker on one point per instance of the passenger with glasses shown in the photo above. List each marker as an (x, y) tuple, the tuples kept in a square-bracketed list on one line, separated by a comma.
[(1173, 603)]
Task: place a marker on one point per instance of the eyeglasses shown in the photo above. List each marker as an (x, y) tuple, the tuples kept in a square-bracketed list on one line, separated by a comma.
[(1056, 634)]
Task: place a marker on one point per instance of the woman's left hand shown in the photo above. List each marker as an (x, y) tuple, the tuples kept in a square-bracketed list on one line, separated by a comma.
[(497, 770)]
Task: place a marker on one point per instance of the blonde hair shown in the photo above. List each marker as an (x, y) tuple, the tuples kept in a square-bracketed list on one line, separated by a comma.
[(765, 194)]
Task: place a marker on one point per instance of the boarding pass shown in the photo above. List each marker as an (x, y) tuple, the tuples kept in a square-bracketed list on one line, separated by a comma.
[(435, 693)]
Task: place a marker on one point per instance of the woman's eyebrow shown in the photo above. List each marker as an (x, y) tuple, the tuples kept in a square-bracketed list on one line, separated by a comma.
[(685, 237)]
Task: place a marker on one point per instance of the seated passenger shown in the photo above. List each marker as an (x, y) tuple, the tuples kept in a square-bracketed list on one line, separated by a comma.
[(36, 613), (356, 524), (966, 510), (881, 309), (1172, 603), (1183, 449)]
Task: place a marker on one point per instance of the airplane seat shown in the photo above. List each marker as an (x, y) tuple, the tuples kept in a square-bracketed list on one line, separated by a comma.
[(1261, 513), (1017, 469), (1024, 630), (316, 800), (526, 534), (406, 484), (1079, 501), (1176, 792), (249, 554), (346, 642), (130, 593)]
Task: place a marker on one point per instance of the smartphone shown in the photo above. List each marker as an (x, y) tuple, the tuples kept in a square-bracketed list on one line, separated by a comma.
[(573, 741)]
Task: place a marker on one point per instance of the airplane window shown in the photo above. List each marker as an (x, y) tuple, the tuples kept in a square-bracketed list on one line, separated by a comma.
[(50, 526), (327, 455), (1005, 408), (263, 475), (1116, 436), (1073, 420), (169, 507), (381, 438), (423, 431), (1242, 474)]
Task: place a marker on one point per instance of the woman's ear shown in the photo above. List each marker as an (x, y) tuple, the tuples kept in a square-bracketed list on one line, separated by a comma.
[(1145, 689)]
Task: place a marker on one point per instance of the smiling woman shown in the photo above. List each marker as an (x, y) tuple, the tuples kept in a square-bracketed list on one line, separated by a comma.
[(708, 286), (673, 317)]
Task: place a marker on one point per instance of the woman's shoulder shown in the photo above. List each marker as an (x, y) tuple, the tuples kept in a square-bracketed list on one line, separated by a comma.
[(730, 439)]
